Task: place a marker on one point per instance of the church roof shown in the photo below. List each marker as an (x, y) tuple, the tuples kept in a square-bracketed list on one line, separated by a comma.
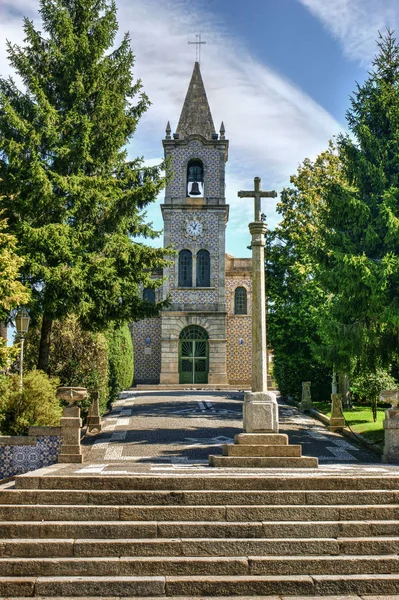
[(196, 115)]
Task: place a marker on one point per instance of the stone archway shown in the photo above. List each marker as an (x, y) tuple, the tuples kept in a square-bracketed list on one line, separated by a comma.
[(193, 355)]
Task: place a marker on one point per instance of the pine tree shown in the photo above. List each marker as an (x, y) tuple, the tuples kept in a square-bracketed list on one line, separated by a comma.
[(73, 199), (360, 266)]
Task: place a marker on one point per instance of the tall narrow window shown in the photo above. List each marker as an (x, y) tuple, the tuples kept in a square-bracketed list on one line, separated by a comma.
[(149, 295), (240, 301), (185, 268), (203, 269)]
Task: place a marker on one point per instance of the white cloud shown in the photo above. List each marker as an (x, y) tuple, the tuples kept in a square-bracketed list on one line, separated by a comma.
[(272, 124), (356, 23)]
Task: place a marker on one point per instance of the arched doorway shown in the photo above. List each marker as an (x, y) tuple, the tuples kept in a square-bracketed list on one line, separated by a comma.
[(193, 355)]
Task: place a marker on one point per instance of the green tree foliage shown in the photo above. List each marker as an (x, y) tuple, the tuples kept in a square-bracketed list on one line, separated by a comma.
[(367, 386), (77, 357), (359, 255), (120, 360), (36, 404), (12, 292), (335, 293), (294, 297), (72, 197)]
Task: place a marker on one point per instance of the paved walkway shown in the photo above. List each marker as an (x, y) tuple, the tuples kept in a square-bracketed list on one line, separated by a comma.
[(166, 430)]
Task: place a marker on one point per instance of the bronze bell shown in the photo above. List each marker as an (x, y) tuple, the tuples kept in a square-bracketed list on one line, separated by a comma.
[(195, 191)]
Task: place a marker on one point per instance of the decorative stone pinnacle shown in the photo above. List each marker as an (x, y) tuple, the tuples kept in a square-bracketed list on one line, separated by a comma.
[(168, 131), (222, 131)]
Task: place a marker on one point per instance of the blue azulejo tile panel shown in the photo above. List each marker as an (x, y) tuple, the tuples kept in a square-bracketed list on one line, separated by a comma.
[(15, 460)]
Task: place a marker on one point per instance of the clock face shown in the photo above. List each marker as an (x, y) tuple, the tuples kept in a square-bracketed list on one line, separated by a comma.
[(194, 228)]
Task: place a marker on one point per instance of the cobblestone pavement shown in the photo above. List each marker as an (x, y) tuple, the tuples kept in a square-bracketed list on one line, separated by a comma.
[(166, 430)]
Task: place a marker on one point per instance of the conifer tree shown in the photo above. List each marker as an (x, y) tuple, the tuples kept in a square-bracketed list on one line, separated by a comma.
[(335, 290), (73, 199), (360, 264)]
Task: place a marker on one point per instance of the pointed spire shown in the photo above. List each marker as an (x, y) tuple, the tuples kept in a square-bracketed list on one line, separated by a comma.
[(222, 131), (196, 115), (168, 131)]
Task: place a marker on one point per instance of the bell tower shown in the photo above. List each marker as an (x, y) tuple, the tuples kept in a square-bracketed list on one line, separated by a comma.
[(195, 215)]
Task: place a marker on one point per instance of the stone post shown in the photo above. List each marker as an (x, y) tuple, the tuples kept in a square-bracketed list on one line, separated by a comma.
[(94, 418), (260, 406), (306, 401), (71, 423), (391, 427), (337, 420)]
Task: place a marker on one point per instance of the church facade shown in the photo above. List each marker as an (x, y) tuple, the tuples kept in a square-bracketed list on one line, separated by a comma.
[(204, 336)]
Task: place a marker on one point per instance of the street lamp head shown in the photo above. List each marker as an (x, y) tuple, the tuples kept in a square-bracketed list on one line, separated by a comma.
[(22, 322)]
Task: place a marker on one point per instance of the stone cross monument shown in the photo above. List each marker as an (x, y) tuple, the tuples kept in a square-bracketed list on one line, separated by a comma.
[(260, 406), (260, 446)]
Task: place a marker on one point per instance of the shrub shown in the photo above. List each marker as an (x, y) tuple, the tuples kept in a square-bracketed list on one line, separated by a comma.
[(77, 357), (36, 404), (367, 387), (120, 360)]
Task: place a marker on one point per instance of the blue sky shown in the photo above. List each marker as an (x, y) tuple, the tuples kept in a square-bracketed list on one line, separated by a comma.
[(277, 72)]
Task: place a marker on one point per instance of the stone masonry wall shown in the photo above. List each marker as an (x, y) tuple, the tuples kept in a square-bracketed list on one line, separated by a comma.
[(147, 356)]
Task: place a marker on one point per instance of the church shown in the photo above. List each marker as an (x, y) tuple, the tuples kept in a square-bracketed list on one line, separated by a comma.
[(204, 336)]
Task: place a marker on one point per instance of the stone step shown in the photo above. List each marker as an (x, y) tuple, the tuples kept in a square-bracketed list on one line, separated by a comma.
[(201, 498), (183, 565), (188, 586), (262, 439), (217, 481), (211, 547), (264, 462), (196, 513), (215, 547), (247, 450), (196, 529), (240, 597)]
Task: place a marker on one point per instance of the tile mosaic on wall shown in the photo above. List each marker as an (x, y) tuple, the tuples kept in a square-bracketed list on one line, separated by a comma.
[(15, 459)]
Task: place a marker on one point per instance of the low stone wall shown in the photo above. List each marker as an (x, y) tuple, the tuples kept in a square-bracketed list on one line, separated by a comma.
[(20, 454)]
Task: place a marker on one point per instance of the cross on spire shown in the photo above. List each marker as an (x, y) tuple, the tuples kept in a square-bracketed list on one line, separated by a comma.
[(257, 194), (198, 42)]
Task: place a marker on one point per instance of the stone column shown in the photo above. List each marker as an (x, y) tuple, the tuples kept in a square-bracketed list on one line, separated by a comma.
[(217, 362), (71, 423), (169, 361), (94, 417), (391, 444), (260, 406), (337, 420), (306, 401)]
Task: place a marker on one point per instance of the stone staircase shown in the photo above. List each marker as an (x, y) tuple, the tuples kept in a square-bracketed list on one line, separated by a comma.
[(212, 535)]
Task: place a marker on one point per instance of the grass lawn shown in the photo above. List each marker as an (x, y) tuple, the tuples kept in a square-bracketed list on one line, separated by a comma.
[(360, 420)]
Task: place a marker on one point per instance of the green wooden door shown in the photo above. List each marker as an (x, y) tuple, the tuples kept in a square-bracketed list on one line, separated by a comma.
[(193, 355)]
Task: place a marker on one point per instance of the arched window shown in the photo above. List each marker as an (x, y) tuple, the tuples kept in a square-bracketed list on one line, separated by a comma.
[(240, 301), (195, 178), (203, 269), (149, 295), (185, 268)]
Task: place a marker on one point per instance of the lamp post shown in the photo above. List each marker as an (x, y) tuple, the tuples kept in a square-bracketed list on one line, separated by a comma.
[(22, 325)]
